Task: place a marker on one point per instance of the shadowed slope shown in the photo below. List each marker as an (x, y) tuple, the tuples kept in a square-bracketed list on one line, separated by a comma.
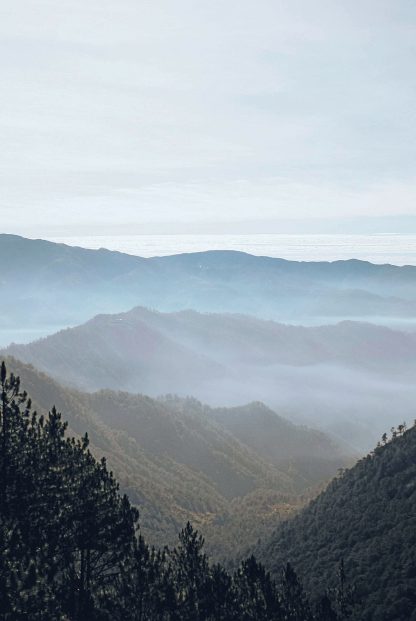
[(368, 518)]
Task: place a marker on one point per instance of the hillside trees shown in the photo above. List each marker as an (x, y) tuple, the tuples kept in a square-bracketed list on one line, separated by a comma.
[(367, 518), (70, 547), (65, 524)]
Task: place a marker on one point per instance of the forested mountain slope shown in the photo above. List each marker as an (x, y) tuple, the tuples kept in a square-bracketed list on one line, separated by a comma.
[(306, 453), (87, 282), (71, 547), (179, 465), (368, 518), (351, 374)]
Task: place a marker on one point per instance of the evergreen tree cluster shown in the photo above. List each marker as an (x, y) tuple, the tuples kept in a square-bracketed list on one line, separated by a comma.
[(71, 549)]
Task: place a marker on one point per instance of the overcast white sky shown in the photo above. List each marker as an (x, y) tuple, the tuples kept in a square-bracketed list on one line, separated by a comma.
[(191, 115)]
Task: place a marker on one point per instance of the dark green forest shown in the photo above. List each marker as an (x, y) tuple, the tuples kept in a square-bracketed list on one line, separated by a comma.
[(71, 547), (367, 517)]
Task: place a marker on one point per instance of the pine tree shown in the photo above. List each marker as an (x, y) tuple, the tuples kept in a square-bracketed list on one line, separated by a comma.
[(67, 514), (257, 593), (221, 596), (190, 572), (295, 603)]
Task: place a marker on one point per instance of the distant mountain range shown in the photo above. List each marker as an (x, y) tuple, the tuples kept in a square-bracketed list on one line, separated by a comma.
[(181, 460), (367, 517), (350, 378), (47, 286)]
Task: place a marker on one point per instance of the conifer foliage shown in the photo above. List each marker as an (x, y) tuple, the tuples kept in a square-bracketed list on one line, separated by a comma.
[(70, 547), (364, 524)]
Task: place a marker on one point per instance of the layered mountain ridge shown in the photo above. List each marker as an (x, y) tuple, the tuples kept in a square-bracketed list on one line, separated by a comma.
[(343, 378), (48, 286)]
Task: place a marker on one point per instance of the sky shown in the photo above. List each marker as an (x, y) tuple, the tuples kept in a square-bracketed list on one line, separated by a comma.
[(210, 116)]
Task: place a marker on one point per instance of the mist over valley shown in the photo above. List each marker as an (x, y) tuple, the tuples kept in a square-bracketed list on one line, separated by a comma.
[(348, 378)]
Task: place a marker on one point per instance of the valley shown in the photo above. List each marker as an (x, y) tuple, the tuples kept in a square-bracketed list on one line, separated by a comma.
[(180, 460)]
